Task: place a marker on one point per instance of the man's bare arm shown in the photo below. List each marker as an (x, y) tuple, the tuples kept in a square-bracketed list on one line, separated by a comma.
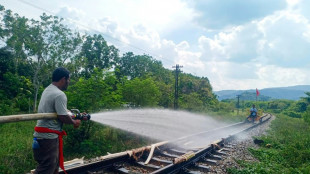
[(68, 120)]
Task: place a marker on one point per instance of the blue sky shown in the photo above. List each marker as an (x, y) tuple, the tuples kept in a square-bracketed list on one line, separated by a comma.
[(237, 44)]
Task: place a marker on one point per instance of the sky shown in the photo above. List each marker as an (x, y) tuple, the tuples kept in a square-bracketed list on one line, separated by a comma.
[(237, 44)]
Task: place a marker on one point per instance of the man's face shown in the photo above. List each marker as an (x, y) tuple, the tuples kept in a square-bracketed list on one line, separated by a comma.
[(65, 83)]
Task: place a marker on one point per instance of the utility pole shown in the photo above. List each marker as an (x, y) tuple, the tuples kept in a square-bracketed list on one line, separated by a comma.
[(176, 87), (238, 106)]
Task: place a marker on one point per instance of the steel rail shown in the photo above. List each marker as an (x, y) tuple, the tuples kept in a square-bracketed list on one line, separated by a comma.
[(111, 161), (108, 160), (174, 168)]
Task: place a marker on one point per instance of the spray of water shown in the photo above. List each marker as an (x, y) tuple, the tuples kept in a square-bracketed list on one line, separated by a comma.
[(158, 124)]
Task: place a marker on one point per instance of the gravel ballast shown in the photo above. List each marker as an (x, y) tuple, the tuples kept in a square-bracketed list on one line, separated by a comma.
[(239, 150)]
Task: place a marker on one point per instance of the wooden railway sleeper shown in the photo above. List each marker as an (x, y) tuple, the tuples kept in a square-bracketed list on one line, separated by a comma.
[(178, 152), (212, 156), (224, 150), (147, 166), (168, 155), (209, 161), (202, 168), (188, 171), (220, 153), (215, 157), (161, 160), (122, 170)]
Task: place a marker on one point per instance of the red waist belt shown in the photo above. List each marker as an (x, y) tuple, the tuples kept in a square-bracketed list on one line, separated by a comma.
[(60, 134)]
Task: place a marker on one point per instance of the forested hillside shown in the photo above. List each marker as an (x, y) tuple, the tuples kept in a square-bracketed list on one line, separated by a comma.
[(101, 78), (289, 93)]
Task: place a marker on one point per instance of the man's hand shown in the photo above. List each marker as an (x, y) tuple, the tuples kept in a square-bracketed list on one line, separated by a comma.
[(76, 123)]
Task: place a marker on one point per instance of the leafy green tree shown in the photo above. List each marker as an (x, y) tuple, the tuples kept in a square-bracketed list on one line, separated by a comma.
[(167, 94), (49, 44), (43, 44), (305, 102), (141, 92), (139, 65), (114, 98), (307, 98), (191, 102), (87, 94), (301, 106), (306, 115), (13, 32), (200, 87), (15, 93), (96, 53), (6, 63)]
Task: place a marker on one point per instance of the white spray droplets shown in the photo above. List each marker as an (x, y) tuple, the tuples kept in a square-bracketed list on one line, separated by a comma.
[(157, 124)]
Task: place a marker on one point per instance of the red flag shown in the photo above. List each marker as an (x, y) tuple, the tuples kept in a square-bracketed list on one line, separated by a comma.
[(257, 92)]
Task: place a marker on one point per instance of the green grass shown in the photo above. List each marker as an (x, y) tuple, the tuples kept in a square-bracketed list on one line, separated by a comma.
[(16, 145), (289, 151), (15, 148)]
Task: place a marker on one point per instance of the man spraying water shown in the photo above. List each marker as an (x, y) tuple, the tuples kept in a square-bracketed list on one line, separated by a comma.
[(47, 146)]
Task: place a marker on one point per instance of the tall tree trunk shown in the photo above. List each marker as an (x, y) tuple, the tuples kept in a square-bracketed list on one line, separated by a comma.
[(36, 89), (36, 84), (36, 98)]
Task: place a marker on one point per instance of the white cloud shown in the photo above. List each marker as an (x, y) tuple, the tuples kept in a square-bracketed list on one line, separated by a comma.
[(183, 45), (292, 3), (275, 76), (214, 14), (272, 51), (269, 47), (71, 13), (280, 39), (229, 75), (237, 58)]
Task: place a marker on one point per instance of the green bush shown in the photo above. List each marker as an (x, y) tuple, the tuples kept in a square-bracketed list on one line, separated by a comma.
[(289, 152), (306, 115), (292, 114)]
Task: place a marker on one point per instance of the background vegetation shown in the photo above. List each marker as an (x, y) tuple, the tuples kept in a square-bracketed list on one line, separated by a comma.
[(103, 79), (286, 147)]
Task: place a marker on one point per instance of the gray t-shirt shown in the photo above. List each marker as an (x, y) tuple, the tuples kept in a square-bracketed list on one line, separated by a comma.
[(52, 100)]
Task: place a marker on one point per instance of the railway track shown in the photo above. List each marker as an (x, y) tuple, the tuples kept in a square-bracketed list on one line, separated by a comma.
[(190, 154)]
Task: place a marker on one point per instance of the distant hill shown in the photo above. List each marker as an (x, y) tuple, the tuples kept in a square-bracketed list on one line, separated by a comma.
[(290, 93)]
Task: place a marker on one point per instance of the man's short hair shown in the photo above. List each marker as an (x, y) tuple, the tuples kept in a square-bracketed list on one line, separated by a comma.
[(59, 73)]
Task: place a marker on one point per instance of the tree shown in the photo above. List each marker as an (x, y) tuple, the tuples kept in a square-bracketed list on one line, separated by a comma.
[(114, 98), (306, 115), (197, 86), (6, 63), (141, 92), (139, 65), (167, 94), (307, 98), (15, 89), (49, 45), (87, 94), (13, 32), (96, 53), (191, 102)]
